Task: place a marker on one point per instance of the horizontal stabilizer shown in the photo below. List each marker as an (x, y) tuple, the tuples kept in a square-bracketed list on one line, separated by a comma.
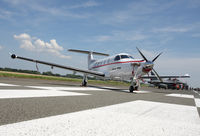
[(88, 52)]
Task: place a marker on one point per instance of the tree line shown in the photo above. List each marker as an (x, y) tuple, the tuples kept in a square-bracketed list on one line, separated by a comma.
[(48, 73)]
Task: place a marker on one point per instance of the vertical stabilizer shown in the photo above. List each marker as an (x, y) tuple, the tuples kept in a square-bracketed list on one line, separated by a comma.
[(90, 55)]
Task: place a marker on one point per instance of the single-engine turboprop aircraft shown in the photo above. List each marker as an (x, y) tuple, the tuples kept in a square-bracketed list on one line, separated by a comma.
[(121, 66)]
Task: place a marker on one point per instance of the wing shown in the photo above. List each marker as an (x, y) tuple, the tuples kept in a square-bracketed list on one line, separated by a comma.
[(154, 77), (90, 72)]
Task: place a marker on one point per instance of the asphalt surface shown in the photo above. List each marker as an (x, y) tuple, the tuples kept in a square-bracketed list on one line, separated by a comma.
[(54, 98)]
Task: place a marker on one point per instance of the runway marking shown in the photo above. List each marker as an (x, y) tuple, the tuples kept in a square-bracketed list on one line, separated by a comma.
[(180, 95), (197, 101), (138, 91), (69, 88), (3, 84), (35, 93), (134, 118), (197, 93), (143, 91)]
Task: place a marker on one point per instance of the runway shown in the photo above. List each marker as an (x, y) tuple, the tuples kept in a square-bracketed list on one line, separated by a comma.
[(43, 107)]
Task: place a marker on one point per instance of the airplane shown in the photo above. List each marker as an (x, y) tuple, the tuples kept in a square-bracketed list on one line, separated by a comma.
[(170, 83), (120, 66)]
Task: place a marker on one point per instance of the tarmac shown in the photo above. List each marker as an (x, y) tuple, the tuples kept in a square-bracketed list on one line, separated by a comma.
[(46, 107)]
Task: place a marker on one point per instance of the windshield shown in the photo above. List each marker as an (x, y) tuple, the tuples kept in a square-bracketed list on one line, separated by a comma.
[(117, 58), (131, 57)]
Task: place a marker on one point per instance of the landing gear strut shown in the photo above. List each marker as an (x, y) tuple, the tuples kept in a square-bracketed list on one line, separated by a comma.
[(84, 81)]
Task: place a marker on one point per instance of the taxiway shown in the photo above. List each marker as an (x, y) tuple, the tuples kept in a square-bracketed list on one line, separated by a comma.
[(43, 107)]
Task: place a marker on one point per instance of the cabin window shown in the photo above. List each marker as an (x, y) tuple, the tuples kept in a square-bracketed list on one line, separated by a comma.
[(117, 58), (124, 56)]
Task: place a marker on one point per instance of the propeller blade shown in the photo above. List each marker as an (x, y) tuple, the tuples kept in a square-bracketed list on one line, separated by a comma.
[(141, 54), (156, 57), (157, 75)]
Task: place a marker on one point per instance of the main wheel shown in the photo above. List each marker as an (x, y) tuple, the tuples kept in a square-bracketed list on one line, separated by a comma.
[(131, 89), (84, 83)]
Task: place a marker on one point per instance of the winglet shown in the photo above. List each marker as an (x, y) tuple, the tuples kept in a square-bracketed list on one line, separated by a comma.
[(13, 56)]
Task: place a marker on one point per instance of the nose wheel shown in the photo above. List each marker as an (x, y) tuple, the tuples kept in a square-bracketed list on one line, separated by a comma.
[(133, 88)]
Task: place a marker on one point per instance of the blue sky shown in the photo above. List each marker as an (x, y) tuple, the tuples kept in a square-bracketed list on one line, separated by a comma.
[(45, 29)]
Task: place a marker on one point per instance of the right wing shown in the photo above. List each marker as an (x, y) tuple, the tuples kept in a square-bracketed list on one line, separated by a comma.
[(154, 77), (90, 72)]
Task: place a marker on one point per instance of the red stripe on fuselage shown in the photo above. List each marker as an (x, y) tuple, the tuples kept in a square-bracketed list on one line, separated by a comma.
[(117, 63)]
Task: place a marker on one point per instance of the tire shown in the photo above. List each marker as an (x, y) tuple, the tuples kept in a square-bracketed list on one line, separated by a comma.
[(131, 89), (84, 83)]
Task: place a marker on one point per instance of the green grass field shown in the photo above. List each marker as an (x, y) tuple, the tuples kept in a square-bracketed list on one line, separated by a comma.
[(35, 76)]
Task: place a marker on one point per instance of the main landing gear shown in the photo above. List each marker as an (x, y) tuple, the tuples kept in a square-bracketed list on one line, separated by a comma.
[(84, 81)]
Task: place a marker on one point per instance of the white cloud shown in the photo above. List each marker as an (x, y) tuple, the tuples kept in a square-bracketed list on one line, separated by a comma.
[(172, 29), (25, 7), (37, 45), (136, 37), (119, 36), (1, 47), (86, 5)]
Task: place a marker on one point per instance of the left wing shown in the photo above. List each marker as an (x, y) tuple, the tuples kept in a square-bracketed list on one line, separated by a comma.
[(90, 72)]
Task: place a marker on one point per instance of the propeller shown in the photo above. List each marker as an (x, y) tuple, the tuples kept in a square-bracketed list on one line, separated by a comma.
[(156, 57), (151, 62), (157, 75), (141, 54)]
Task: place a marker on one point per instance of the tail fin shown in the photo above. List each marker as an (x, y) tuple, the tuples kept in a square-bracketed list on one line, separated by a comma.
[(90, 54)]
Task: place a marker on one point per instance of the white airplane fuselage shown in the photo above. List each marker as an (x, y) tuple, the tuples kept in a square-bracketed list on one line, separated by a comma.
[(124, 67)]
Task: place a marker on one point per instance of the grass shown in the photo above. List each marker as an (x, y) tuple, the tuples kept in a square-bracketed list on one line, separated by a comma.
[(35, 76)]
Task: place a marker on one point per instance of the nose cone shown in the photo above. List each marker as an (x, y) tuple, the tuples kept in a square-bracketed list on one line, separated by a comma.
[(148, 66)]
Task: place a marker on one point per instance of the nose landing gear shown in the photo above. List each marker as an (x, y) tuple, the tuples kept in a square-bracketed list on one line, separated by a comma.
[(134, 85), (133, 88)]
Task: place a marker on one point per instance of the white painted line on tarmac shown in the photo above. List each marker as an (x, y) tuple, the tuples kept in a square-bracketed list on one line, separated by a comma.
[(141, 118), (197, 101), (197, 93), (69, 88), (138, 91), (142, 91), (180, 95), (35, 93), (3, 84)]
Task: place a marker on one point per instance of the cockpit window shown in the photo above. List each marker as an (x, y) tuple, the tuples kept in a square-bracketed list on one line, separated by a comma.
[(124, 56), (117, 58), (131, 57)]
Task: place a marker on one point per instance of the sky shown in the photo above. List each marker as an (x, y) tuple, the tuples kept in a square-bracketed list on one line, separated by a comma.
[(46, 29)]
